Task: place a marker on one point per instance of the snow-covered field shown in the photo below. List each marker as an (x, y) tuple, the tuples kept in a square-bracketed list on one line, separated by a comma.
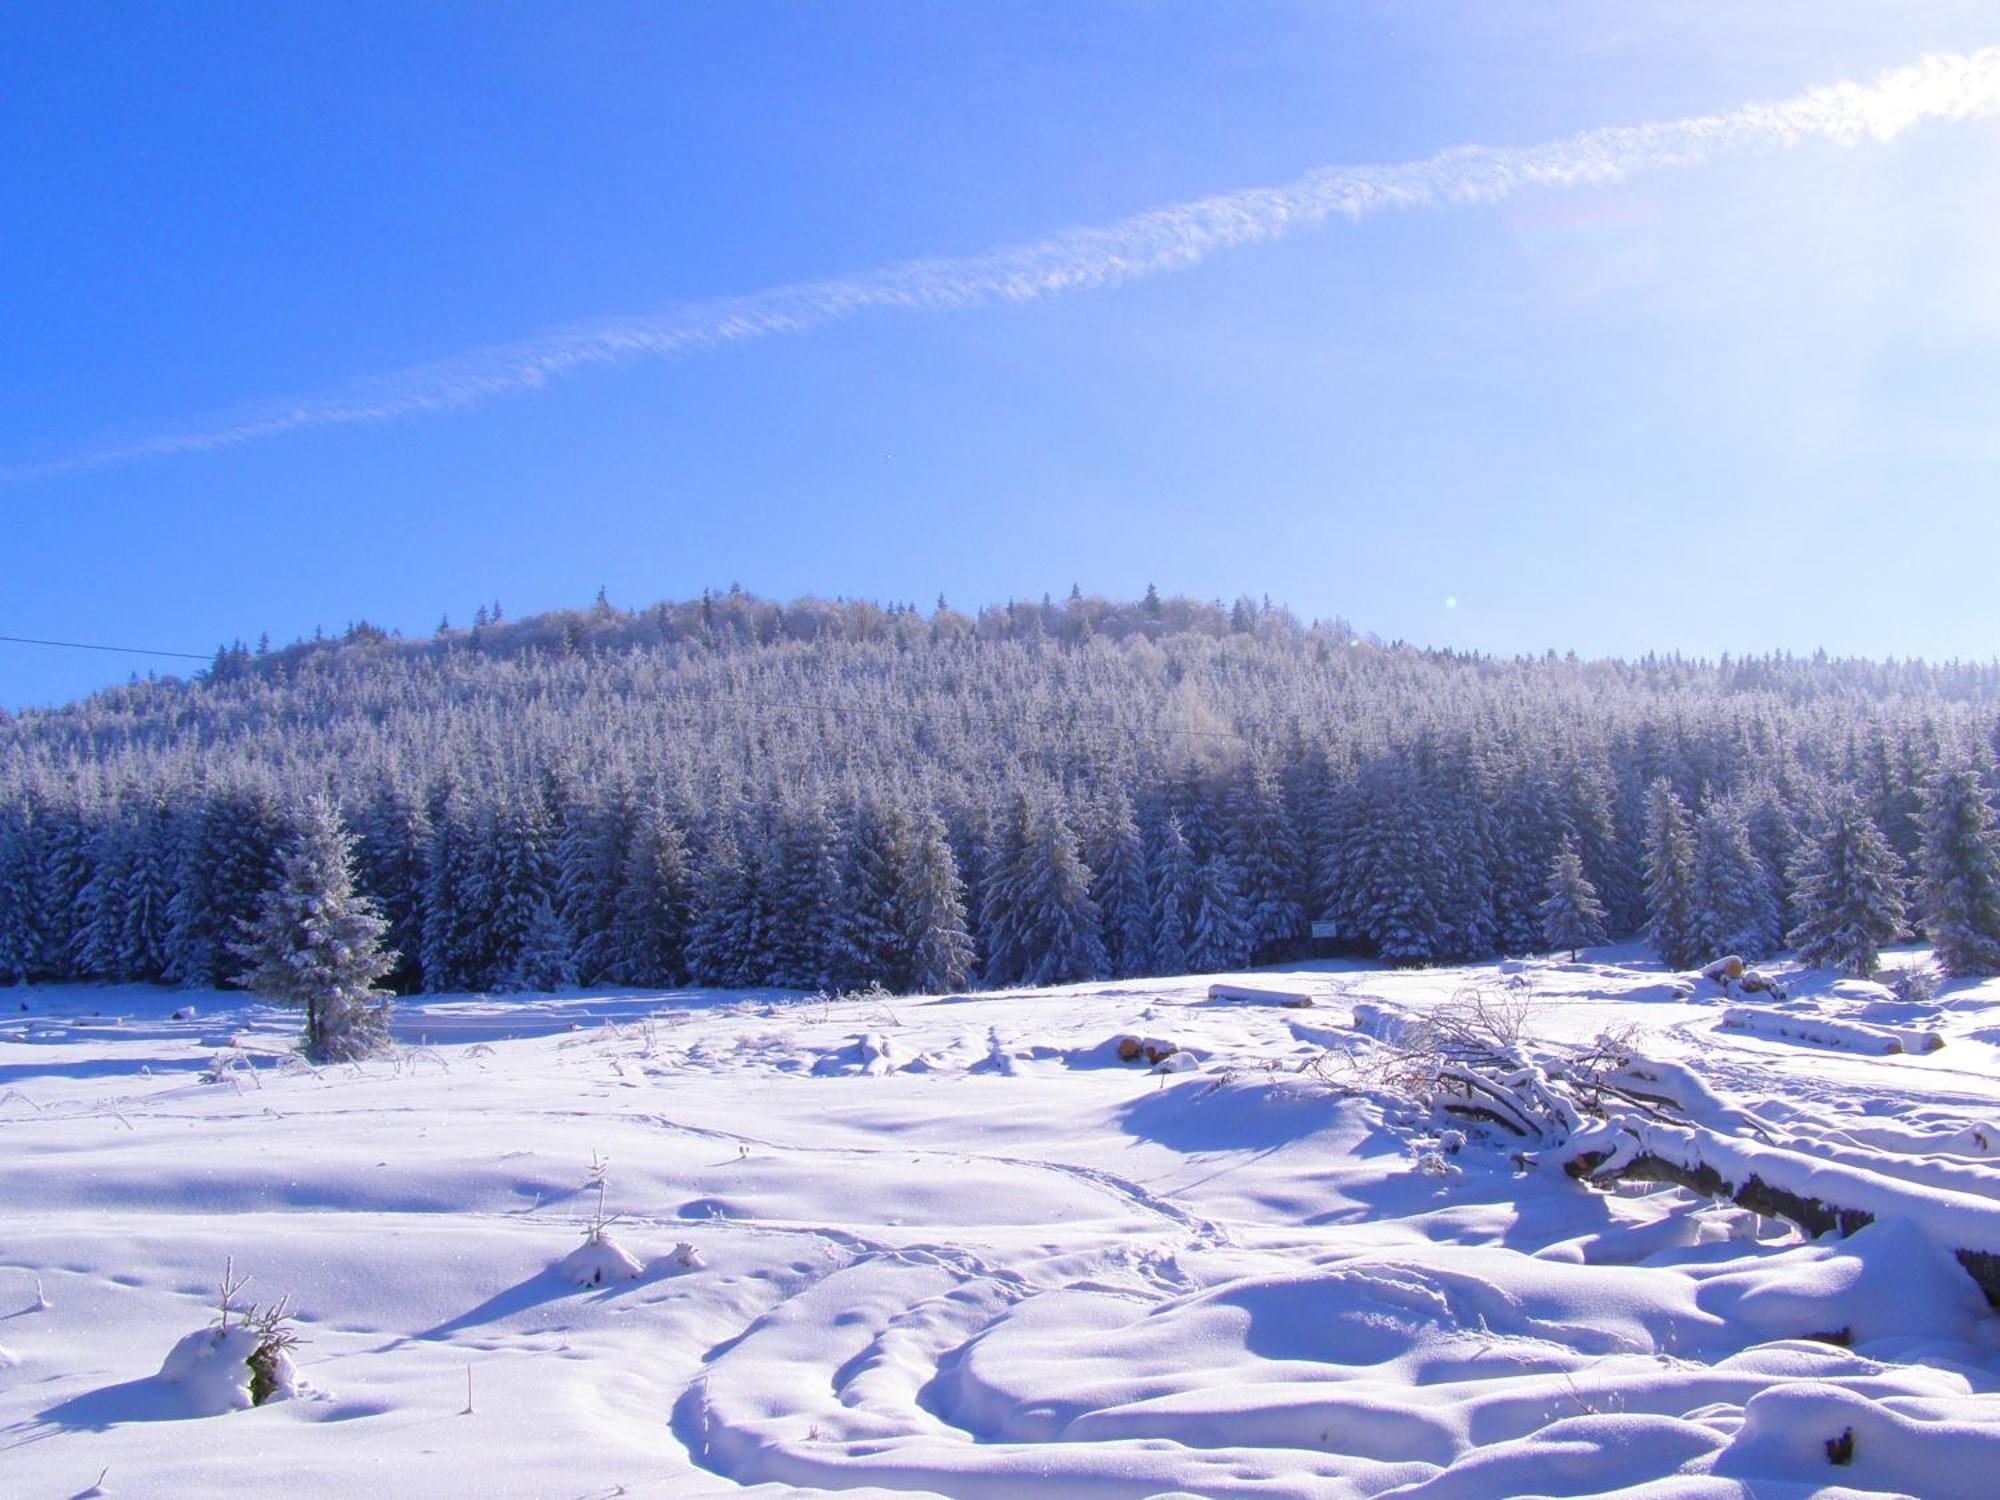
[(956, 1246)]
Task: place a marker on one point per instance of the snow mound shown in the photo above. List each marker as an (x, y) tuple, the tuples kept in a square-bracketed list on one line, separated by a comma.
[(1887, 1280), (869, 1054), (1672, 990), (1229, 1114), (1861, 991), (1897, 1445), (599, 1259), (211, 1369), (1581, 1455)]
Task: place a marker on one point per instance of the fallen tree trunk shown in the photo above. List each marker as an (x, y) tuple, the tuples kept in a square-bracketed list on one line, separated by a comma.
[(1814, 1195), (1664, 1124), (1810, 1214), (1290, 999)]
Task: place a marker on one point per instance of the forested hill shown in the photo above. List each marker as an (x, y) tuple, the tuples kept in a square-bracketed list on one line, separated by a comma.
[(731, 791)]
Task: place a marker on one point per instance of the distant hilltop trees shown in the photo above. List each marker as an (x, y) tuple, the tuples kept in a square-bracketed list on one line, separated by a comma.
[(731, 791)]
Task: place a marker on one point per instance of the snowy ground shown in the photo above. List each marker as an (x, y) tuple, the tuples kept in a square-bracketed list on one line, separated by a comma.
[(956, 1247)]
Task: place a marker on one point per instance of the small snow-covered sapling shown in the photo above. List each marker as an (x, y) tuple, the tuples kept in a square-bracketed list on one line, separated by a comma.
[(599, 1258), (271, 1361), (243, 1359)]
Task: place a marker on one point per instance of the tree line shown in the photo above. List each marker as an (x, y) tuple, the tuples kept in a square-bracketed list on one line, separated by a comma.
[(828, 794)]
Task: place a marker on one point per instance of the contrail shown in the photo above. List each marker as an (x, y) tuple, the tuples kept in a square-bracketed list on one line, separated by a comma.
[(1947, 87)]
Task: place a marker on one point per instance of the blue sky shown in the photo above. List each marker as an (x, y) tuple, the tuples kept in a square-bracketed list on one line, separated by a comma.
[(1741, 402)]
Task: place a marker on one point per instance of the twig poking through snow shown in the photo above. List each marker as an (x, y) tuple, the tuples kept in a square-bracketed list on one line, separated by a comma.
[(231, 1285), (598, 1175), (600, 1258)]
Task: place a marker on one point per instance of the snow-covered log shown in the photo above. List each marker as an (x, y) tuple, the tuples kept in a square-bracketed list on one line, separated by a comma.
[(1817, 1195), (1857, 1036), (1291, 999)]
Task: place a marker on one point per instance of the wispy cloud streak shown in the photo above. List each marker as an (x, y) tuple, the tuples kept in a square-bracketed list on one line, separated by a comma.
[(1948, 87)]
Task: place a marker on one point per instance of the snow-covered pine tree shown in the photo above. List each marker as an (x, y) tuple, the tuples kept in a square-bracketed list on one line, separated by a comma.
[(590, 867), (652, 909), (317, 944), (1388, 866), (1191, 798), (721, 946), (1268, 858), (97, 939), (1117, 853), (21, 937), (518, 878), (1958, 874), (1467, 832), (1589, 802), (1311, 796), (1529, 826), (544, 956), (804, 896), (1735, 909), (1572, 916), (1672, 925), (1888, 783), (453, 924), (931, 898), (1774, 834), (1218, 934), (228, 856), (869, 945), (192, 951), (1058, 928), (1173, 899), (392, 835), (59, 881), (148, 891), (1848, 885), (999, 853)]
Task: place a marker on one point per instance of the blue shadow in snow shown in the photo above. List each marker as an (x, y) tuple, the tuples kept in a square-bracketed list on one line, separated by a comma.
[(542, 1287), (146, 1400)]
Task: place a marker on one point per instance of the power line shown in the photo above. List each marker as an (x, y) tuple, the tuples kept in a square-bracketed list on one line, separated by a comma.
[(28, 640)]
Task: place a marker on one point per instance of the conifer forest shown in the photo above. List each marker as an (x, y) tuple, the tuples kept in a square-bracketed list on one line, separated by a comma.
[(730, 791)]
